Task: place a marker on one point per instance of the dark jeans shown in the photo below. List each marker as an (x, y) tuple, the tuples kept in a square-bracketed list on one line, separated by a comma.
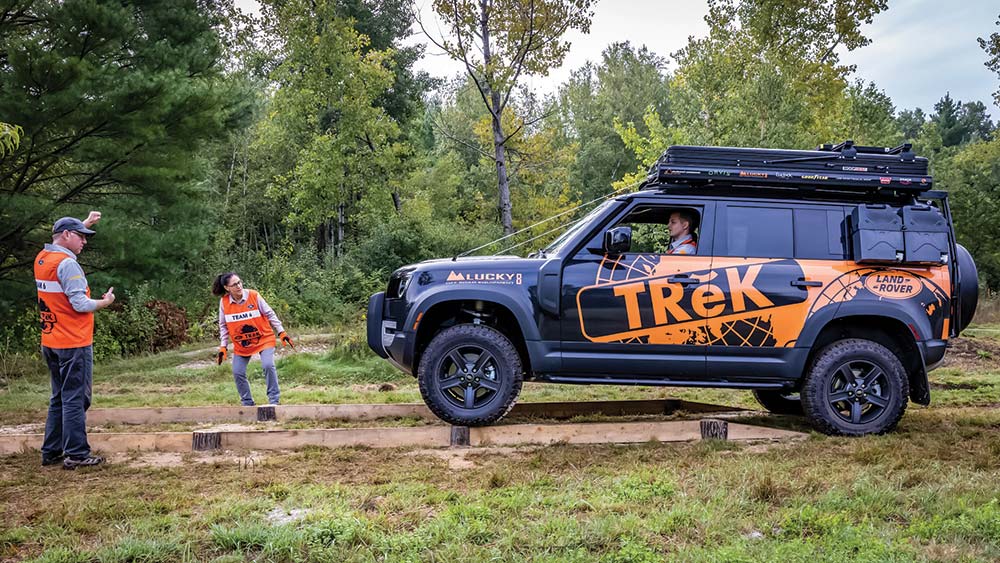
[(71, 374)]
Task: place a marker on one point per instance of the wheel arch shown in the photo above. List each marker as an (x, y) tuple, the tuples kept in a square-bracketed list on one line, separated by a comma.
[(892, 332), (436, 315)]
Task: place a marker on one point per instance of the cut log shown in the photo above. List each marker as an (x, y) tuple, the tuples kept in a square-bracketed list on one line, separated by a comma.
[(712, 428)]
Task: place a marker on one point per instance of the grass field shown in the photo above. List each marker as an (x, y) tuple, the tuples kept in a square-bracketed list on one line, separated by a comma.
[(928, 492)]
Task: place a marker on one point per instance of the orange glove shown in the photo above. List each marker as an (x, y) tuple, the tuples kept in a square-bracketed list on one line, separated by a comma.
[(286, 340), (221, 355)]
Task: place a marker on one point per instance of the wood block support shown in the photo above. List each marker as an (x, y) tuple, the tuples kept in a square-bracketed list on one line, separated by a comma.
[(460, 436), (203, 441), (713, 428)]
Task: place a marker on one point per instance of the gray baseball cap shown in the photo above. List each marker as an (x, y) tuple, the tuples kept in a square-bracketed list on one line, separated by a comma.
[(70, 224)]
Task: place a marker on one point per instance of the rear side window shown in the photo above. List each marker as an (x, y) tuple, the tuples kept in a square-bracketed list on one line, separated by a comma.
[(762, 232), (819, 234), (809, 233)]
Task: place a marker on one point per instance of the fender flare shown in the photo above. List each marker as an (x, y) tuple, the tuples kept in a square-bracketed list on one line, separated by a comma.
[(522, 313)]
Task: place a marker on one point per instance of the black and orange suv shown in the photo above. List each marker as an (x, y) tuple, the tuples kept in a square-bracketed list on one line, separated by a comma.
[(827, 282)]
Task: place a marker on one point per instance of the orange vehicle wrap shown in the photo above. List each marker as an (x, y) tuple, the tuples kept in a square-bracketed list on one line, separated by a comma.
[(656, 299)]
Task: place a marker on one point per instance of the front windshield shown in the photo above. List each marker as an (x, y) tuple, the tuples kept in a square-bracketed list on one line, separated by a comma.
[(578, 226)]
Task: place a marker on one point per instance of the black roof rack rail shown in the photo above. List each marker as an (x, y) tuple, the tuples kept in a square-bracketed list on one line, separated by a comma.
[(841, 166)]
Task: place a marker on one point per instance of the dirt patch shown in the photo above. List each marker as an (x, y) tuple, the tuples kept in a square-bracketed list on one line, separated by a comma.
[(972, 353), (33, 428), (174, 459), (954, 386)]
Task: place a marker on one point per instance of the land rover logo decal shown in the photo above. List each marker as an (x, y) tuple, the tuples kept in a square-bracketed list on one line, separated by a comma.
[(893, 284)]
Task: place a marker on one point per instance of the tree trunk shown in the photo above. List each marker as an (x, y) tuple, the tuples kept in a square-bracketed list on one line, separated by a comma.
[(499, 149)]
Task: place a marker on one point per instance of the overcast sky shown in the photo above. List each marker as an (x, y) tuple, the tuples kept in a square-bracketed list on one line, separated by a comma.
[(920, 48)]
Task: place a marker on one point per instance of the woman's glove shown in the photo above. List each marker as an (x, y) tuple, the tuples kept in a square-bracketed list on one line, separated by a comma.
[(221, 355), (286, 340)]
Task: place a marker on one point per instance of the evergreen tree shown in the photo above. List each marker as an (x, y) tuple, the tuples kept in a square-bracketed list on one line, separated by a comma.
[(116, 100)]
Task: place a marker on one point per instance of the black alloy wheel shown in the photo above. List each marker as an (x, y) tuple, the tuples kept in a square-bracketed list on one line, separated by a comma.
[(470, 375), (855, 387), (858, 392)]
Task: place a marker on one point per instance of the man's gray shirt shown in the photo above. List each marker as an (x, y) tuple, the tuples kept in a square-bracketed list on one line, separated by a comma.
[(72, 280)]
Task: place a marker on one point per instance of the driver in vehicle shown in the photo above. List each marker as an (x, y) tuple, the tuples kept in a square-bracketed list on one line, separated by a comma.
[(682, 239)]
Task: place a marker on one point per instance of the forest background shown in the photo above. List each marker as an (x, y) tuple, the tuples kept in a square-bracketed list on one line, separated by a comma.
[(300, 147)]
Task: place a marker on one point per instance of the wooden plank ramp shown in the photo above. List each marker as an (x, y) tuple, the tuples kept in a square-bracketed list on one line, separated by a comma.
[(394, 437), (359, 412)]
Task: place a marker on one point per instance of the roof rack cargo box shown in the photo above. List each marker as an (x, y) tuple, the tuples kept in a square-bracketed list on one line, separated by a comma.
[(843, 166), (877, 234), (925, 235)]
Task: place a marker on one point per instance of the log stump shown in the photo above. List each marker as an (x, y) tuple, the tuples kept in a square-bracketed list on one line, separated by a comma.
[(713, 428), (459, 435), (203, 441)]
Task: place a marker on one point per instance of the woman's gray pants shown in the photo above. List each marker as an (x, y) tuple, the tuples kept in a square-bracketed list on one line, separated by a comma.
[(270, 376)]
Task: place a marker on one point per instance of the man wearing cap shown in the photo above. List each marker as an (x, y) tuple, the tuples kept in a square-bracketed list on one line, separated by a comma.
[(67, 314)]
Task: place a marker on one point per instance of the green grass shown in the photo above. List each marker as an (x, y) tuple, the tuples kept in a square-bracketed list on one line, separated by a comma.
[(927, 492)]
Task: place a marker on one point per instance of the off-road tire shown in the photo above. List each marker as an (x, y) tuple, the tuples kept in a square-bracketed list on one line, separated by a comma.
[(779, 402), (819, 398), (438, 356)]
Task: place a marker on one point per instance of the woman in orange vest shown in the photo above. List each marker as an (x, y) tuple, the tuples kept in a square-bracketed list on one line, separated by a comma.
[(245, 317)]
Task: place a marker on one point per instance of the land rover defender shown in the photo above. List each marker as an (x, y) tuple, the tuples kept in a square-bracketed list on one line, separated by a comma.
[(827, 282)]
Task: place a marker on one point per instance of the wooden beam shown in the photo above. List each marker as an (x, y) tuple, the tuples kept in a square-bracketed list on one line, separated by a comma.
[(424, 436), (557, 410)]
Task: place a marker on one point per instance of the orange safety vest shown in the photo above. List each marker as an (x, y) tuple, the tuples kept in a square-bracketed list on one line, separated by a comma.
[(690, 240), (62, 326), (249, 330)]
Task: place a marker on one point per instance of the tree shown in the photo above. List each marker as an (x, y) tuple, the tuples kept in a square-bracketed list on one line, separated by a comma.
[(499, 41), (992, 48), (959, 123), (326, 146), (621, 87), (910, 122), (116, 100)]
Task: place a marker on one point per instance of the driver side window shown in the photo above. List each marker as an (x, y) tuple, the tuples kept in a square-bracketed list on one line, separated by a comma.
[(663, 229)]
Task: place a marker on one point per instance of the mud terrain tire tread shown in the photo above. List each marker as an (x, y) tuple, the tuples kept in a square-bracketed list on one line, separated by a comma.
[(508, 361), (817, 379)]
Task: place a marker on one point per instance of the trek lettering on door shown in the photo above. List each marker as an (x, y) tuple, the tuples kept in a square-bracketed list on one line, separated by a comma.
[(649, 306)]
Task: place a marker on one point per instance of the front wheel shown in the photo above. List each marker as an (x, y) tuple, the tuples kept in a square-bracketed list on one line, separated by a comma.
[(470, 375), (855, 387)]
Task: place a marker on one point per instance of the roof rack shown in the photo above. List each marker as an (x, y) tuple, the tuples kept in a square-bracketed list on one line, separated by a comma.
[(841, 166)]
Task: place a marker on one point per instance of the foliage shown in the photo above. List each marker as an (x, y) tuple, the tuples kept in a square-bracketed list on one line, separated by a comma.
[(972, 178), (500, 41), (10, 138), (992, 48), (151, 77)]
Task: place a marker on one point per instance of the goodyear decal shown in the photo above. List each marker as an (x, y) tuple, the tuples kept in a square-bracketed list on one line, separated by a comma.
[(490, 278), (651, 307)]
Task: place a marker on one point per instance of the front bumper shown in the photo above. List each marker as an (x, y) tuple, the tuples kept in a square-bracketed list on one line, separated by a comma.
[(385, 338)]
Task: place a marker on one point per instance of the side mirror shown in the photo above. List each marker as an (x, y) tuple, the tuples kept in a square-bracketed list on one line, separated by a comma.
[(618, 240)]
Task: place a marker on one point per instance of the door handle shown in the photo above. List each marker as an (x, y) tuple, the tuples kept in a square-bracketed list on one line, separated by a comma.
[(802, 282), (683, 280)]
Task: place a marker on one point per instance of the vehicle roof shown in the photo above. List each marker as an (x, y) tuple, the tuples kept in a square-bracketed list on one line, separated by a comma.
[(805, 194)]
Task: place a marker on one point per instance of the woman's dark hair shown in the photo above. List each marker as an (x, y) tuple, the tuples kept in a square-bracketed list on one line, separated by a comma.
[(220, 283)]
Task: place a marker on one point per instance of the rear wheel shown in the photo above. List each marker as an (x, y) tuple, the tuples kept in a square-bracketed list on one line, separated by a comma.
[(779, 402), (470, 375), (855, 387)]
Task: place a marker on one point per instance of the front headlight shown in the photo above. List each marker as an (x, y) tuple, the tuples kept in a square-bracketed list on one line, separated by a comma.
[(404, 282)]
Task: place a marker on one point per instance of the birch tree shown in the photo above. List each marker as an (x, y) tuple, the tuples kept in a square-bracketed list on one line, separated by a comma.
[(499, 42)]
